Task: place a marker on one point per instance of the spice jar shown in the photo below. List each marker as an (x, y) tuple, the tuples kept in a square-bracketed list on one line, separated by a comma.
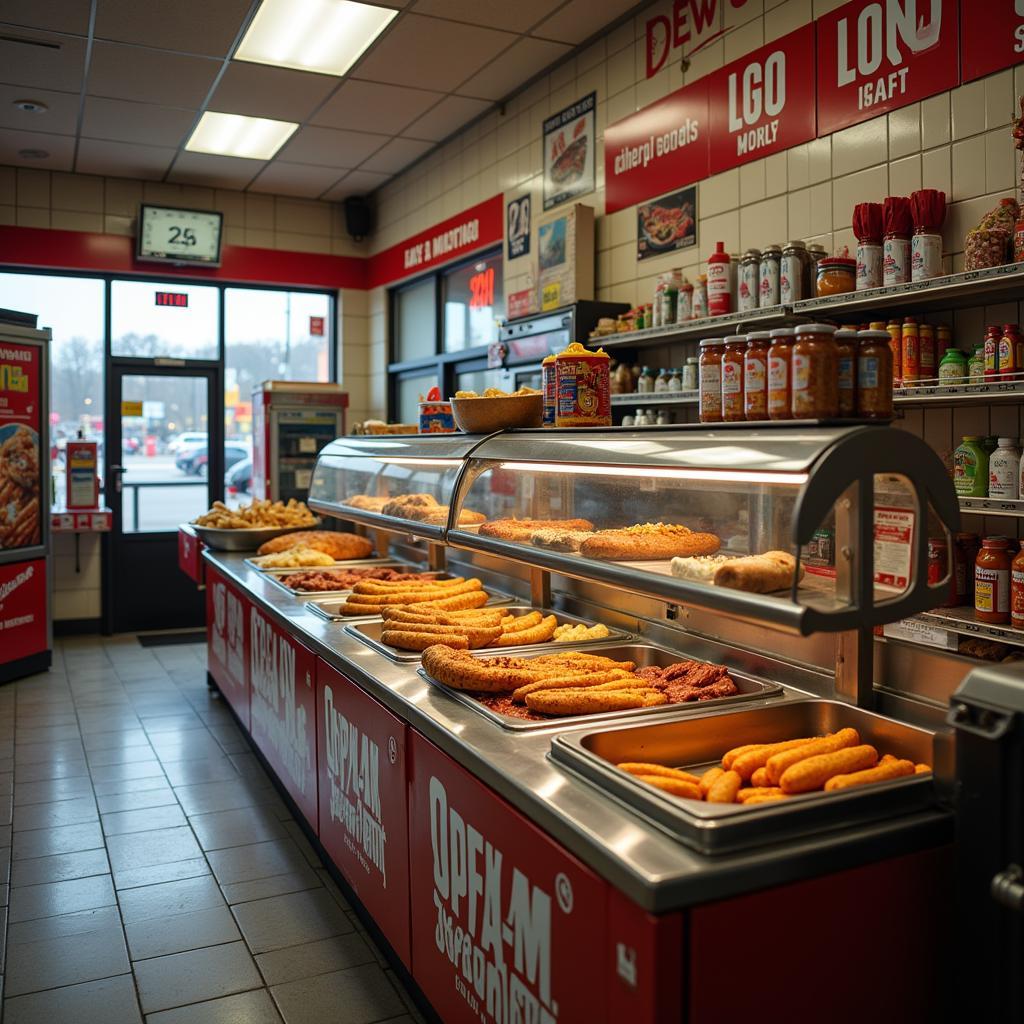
[(1017, 592), (749, 282), (792, 273), (755, 376), (835, 275), (846, 353), (976, 364), (710, 377), (911, 353), (1010, 347), (993, 334), (769, 269), (926, 346), (691, 373), (780, 374), (992, 581), (953, 368), (815, 373), (970, 468), (732, 377), (815, 254), (874, 375)]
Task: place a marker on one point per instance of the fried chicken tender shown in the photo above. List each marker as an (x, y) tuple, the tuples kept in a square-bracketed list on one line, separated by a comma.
[(778, 763), (575, 680), (421, 641), (814, 772), (708, 779), (537, 634), (724, 789), (590, 701), (479, 617), (462, 671)]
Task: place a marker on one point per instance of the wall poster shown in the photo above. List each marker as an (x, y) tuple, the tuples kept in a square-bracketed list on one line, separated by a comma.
[(568, 143), (667, 225)]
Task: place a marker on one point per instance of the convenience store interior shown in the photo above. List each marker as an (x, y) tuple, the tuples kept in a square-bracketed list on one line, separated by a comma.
[(251, 250)]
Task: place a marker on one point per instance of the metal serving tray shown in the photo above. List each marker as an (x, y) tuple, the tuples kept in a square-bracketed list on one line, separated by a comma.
[(699, 741), (329, 609), (370, 633), (276, 576), (750, 687), (350, 563)]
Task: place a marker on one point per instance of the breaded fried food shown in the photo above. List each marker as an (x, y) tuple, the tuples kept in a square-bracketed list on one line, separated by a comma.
[(677, 787), (760, 777), (517, 623), (389, 586), (724, 789), (461, 671), (646, 768), (473, 599), (813, 772), (582, 658), (421, 641), (753, 792), (479, 617), (340, 546), (893, 768), (521, 529), (708, 779), (648, 542), (730, 755), (537, 634), (570, 680), (765, 798), (414, 592), (747, 763), (590, 701), (778, 763)]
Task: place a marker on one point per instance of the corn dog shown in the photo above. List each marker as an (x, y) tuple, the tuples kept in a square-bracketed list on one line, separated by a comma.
[(474, 617), (403, 597), (892, 769), (813, 772), (644, 768), (756, 791), (514, 624), (677, 787), (778, 763), (760, 777), (746, 764), (585, 701), (707, 780), (421, 641), (389, 586), (724, 789), (538, 634)]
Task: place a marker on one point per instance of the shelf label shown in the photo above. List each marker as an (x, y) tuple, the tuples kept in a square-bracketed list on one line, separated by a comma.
[(894, 535), (920, 633)]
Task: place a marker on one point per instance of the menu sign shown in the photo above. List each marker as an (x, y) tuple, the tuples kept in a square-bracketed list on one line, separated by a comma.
[(657, 149), (992, 42), (20, 462), (764, 102), (683, 28), (876, 57)]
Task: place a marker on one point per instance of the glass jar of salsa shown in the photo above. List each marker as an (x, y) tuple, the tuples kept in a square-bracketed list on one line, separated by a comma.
[(732, 377), (874, 375), (846, 353), (710, 377), (755, 376), (992, 581), (835, 275), (815, 373), (780, 374)]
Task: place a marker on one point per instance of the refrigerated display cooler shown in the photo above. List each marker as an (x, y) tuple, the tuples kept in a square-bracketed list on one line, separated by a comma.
[(292, 421), (26, 631)]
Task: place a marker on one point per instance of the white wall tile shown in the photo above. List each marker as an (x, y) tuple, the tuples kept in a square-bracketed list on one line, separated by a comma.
[(820, 159), (936, 170), (1000, 165), (723, 228), (775, 174), (787, 17), (868, 186), (968, 105), (905, 131), (719, 192), (999, 99), (905, 175), (968, 169), (763, 223), (752, 182), (798, 166), (935, 121), (863, 145)]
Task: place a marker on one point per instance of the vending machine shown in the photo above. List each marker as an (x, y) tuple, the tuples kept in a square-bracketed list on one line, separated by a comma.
[(26, 632), (291, 422)]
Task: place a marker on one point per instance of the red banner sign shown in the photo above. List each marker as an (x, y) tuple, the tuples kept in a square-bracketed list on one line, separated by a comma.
[(505, 924), (657, 149), (282, 708), (22, 609), (227, 642), (876, 57), (364, 806), (683, 30), (764, 102), (993, 41)]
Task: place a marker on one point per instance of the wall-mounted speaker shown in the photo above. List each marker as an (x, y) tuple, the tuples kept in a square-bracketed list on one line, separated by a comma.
[(358, 217)]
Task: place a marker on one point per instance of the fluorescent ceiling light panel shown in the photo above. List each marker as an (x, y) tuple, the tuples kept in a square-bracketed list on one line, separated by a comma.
[(254, 138), (327, 36)]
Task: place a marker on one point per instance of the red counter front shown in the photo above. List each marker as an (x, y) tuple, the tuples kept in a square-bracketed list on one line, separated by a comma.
[(227, 642), (364, 807), (22, 609)]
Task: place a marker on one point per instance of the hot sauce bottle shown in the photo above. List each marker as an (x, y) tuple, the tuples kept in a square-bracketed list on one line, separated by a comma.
[(992, 581)]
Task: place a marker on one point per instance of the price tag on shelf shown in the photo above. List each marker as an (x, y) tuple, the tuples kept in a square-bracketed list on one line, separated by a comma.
[(921, 633)]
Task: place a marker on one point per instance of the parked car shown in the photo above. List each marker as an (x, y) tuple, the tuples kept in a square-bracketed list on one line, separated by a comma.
[(238, 479), (181, 441), (194, 461)]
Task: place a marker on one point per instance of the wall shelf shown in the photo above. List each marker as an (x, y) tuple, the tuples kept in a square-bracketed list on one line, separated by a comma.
[(993, 507), (694, 330), (669, 398), (986, 393), (961, 620)]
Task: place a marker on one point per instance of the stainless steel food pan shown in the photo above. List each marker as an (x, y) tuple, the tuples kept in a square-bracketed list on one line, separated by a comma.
[(329, 609)]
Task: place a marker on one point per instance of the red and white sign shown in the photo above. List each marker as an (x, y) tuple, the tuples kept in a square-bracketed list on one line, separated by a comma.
[(519, 303), (466, 232), (282, 708), (684, 28), (227, 642), (876, 57), (316, 326), (657, 149), (190, 555), (83, 485), (506, 926), (364, 805), (991, 38), (894, 537), (762, 103), (22, 610)]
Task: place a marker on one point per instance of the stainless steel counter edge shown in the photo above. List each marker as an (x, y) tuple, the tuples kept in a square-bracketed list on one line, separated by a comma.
[(652, 869)]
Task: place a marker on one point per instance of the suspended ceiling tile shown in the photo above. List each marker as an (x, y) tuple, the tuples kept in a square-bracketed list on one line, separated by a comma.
[(431, 54), (527, 58), (123, 159), (357, 183), (396, 155), (57, 15), (146, 123), (580, 19), (264, 91), (371, 106), (189, 26), (220, 171), (327, 147), (60, 119), (295, 179), (516, 16), (61, 149), (448, 116), (150, 76), (42, 59)]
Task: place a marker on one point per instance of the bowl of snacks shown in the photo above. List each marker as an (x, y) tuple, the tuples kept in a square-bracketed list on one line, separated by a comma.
[(247, 527), (497, 410)]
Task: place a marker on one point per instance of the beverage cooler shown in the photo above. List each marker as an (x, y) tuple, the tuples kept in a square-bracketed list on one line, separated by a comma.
[(292, 421), (25, 625)]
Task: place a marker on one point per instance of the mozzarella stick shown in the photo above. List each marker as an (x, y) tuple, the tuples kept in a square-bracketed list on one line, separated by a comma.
[(677, 787), (813, 772), (760, 777), (753, 792), (730, 755), (883, 771), (746, 764), (778, 763), (708, 779), (644, 768), (724, 789)]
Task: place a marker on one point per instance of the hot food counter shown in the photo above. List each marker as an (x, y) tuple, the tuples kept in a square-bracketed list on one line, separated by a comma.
[(490, 836)]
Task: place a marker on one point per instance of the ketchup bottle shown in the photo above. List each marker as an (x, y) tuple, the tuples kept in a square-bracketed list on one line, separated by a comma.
[(719, 290)]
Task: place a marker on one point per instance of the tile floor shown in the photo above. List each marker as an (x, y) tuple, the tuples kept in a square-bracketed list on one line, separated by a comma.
[(150, 869)]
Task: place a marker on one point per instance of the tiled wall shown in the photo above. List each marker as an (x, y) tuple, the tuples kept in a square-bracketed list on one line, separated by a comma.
[(957, 141), (77, 592)]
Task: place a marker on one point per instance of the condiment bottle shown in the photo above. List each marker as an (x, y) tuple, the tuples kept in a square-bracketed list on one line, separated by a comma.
[(1009, 352), (793, 273), (895, 329), (661, 382), (993, 334), (911, 354), (749, 281), (1004, 470), (780, 374), (953, 368), (549, 388), (719, 291), (700, 297), (732, 378), (755, 376), (970, 468), (943, 342), (691, 373), (675, 380), (926, 344), (965, 552), (1017, 592), (710, 398), (874, 375), (846, 351), (992, 581), (768, 276), (815, 373), (976, 364), (684, 302), (645, 385)]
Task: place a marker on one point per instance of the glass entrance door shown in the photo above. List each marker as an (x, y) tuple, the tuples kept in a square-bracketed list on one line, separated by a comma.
[(164, 467)]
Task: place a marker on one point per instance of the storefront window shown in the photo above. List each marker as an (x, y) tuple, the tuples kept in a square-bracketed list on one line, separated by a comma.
[(72, 307), (415, 322), (408, 393), (472, 295), (169, 319)]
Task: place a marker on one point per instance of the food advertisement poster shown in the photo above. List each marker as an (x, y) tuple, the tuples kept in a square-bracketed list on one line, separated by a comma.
[(568, 145), (22, 610), (517, 227), (565, 257), (667, 225), (20, 476)]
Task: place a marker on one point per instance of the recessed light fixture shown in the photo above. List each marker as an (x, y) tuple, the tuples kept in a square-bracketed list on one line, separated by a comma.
[(31, 106), (33, 154), (255, 138), (327, 36)]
